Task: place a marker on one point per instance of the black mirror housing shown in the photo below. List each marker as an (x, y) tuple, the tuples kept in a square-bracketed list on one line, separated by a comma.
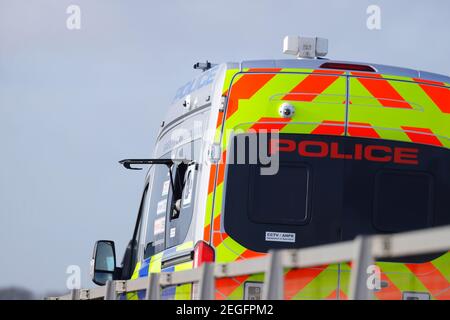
[(103, 263)]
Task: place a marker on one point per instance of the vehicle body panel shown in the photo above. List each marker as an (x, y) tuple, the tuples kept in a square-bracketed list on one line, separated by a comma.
[(393, 104)]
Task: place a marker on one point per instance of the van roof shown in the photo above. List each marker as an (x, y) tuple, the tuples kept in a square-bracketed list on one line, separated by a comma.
[(316, 63), (176, 111)]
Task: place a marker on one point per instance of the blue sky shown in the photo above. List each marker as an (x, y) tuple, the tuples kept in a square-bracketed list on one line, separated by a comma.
[(74, 102)]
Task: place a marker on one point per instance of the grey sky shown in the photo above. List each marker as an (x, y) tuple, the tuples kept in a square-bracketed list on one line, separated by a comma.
[(72, 103)]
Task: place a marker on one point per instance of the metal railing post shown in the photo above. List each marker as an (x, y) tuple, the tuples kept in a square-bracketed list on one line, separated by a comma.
[(207, 282), (75, 294), (274, 278), (362, 260), (153, 288), (110, 290)]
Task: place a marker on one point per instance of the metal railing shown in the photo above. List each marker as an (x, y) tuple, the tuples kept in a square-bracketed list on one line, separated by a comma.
[(363, 251)]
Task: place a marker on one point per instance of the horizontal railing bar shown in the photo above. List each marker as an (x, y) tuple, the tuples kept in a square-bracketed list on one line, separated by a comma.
[(383, 246), (64, 297), (94, 293), (310, 257), (412, 243), (240, 268), (135, 285), (180, 277)]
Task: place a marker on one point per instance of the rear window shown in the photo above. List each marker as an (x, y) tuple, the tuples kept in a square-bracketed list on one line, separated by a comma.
[(282, 198), (402, 200)]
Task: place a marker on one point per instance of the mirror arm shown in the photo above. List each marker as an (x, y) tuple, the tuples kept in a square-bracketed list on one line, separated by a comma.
[(117, 275)]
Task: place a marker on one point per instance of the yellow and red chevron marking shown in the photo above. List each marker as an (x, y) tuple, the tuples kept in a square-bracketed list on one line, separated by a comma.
[(432, 278), (390, 291), (227, 286), (382, 90), (437, 92), (270, 124), (313, 85), (332, 128), (400, 108), (298, 279), (247, 86), (422, 135), (337, 128), (337, 295)]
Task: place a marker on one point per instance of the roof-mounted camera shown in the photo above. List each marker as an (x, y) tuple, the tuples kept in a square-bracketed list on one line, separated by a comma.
[(204, 66)]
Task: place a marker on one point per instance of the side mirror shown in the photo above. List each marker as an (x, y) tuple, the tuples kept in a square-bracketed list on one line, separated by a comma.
[(103, 263)]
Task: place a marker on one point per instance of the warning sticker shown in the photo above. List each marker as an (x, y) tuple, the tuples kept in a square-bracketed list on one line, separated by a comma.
[(159, 226), (280, 236), (165, 189), (162, 205)]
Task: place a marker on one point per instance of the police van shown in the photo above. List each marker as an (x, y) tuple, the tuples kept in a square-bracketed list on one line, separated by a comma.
[(293, 153)]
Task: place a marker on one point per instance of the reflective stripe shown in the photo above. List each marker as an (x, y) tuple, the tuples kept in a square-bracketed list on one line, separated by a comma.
[(422, 135), (363, 130), (382, 90), (297, 279), (246, 87), (313, 85), (430, 276), (439, 95), (334, 128)]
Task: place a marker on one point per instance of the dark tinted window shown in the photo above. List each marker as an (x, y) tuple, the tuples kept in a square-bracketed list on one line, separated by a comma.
[(403, 201), (282, 198)]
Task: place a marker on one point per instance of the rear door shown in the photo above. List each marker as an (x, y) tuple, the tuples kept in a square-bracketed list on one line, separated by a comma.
[(319, 100), (301, 215), (392, 114)]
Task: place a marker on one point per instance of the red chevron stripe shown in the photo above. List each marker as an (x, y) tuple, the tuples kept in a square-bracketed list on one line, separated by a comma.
[(216, 223), (206, 233), (248, 254), (313, 85), (247, 86), (215, 226), (422, 135), (333, 295), (226, 286), (431, 278), (219, 119), (439, 95), (337, 128), (332, 128), (364, 130), (212, 175), (222, 168), (218, 238), (262, 124), (391, 292), (382, 90), (297, 279)]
